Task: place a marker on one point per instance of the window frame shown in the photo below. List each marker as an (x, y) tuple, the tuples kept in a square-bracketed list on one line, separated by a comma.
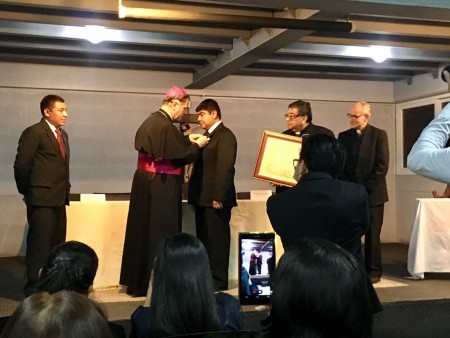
[(437, 101)]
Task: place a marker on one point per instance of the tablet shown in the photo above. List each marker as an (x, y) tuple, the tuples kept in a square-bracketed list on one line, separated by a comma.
[(257, 266)]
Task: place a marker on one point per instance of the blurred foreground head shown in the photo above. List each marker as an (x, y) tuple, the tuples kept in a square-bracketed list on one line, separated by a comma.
[(320, 290)]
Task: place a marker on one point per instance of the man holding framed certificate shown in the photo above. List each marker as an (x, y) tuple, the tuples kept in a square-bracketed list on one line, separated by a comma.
[(299, 123)]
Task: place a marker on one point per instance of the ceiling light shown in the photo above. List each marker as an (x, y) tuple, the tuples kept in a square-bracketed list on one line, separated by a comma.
[(380, 53), (95, 34)]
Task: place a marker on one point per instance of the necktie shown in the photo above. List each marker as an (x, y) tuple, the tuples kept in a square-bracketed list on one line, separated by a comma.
[(61, 145)]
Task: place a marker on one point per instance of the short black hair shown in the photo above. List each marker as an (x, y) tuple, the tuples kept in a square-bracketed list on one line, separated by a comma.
[(304, 109), (49, 101), (324, 153), (209, 105)]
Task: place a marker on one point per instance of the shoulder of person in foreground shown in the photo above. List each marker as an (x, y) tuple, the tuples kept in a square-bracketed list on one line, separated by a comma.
[(229, 311), (140, 322)]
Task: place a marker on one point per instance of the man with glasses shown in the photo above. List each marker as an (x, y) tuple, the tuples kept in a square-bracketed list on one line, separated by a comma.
[(212, 191), (299, 123), (367, 163), (155, 201)]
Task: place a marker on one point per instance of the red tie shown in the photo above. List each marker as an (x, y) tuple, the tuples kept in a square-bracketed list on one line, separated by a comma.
[(61, 145)]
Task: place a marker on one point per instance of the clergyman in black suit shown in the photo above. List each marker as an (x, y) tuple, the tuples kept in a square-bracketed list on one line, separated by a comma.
[(212, 191), (41, 171), (299, 122), (367, 163)]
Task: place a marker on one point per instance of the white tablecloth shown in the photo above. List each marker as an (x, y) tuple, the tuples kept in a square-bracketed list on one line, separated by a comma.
[(102, 226), (429, 246)]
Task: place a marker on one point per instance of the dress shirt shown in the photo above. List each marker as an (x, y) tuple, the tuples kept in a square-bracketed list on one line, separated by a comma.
[(428, 156), (53, 128)]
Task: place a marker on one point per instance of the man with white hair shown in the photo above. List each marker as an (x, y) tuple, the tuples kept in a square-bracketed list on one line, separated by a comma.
[(367, 163)]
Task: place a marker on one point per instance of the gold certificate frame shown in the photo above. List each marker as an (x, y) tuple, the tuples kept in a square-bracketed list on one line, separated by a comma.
[(275, 158)]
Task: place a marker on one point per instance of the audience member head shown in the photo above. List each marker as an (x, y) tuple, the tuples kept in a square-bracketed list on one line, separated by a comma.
[(320, 290), (63, 314), (182, 298), (70, 266), (323, 153)]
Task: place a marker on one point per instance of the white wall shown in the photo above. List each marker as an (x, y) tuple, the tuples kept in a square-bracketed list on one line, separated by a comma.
[(106, 107)]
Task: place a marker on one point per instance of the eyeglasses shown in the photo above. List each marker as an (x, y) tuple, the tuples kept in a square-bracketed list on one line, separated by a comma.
[(291, 117), (354, 117)]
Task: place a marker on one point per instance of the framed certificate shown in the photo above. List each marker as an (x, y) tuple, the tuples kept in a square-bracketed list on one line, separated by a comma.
[(277, 158)]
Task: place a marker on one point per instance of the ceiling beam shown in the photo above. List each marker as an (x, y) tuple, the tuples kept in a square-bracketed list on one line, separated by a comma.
[(245, 52), (359, 51), (434, 10)]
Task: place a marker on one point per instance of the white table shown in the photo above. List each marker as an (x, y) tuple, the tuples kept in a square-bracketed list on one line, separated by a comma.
[(102, 226), (429, 246)]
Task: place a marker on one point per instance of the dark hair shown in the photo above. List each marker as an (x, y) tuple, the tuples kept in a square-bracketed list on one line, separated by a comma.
[(63, 314), (49, 101), (70, 266), (304, 108), (324, 153), (209, 105), (182, 298), (320, 290)]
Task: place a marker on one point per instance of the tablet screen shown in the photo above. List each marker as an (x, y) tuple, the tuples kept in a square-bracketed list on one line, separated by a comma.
[(257, 266)]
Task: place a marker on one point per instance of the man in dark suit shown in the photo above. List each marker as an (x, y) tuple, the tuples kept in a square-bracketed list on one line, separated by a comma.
[(367, 163), (212, 192), (41, 171), (299, 123), (322, 206)]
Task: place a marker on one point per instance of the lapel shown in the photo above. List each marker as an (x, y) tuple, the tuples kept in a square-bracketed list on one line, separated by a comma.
[(216, 129)]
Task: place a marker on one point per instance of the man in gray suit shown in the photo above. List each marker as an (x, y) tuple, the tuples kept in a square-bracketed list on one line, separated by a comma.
[(41, 171), (367, 163), (212, 191)]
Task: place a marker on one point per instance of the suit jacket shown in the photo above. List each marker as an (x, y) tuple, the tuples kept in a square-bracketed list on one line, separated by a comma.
[(213, 174), (367, 161), (323, 207), (40, 170)]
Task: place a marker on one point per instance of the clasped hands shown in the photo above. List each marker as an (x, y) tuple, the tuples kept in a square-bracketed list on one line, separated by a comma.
[(200, 139)]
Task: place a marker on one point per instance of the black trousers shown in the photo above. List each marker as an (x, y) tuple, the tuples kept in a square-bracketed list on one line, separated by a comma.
[(372, 246), (46, 229), (213, 229)]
